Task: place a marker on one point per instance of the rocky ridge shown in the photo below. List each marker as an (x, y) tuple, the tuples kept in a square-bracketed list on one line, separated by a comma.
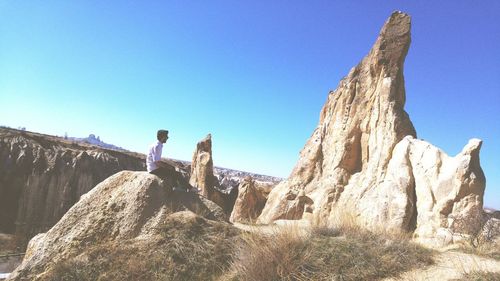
[(42, 176), (93, 140)]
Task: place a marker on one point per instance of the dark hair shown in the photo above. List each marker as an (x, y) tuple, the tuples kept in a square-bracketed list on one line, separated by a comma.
[(161, 133)]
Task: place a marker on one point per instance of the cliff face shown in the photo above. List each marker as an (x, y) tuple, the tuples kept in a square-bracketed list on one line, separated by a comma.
[(42, 176), (363, 156)]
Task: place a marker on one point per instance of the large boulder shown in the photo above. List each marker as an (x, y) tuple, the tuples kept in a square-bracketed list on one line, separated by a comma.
[(42, 176), (364, 157), (127, 207)]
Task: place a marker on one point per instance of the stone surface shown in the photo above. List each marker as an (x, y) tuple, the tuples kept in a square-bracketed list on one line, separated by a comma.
[(249, 203), (202, 175), (42, 176), (202, 167), (128, 206), (363, 157)]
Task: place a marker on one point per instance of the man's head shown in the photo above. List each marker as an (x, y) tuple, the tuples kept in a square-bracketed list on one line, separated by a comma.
[(162, 135)]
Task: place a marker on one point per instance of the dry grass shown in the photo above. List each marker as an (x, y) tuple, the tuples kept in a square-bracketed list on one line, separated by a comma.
[(487, 250), (194, 250), (263, 257), (344, 252), (198, 250)]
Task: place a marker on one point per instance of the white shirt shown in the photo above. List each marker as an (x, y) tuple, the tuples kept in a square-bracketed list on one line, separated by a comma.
[(154, 154)]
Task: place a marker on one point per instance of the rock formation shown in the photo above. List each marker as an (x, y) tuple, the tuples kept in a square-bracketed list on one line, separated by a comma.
[(202, 175), (202, 167), (251, 199), (249, 203), (364, 156), (42, 176), (126, 208)]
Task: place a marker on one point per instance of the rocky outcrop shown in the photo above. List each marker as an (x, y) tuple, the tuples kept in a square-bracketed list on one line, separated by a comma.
[(202, 167), (364, 156), (427, 188), (249, 203), (42, 176), (251, 199), (127, 208), (202, 175)]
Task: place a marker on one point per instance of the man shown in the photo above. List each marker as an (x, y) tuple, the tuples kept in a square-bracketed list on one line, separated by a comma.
[(162, 169)]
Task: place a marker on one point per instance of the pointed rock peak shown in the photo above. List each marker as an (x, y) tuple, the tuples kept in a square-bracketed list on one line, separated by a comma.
[(472, 146), (393, 42), (397, 25), (205, 144), (360, 124), (364, 156)]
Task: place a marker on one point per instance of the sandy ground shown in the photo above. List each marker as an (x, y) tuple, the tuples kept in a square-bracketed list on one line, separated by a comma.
[(299, 225), (451, 265)]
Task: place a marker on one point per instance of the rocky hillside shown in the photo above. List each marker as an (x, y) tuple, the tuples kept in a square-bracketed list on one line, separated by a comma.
[(364, 155), (129, 208), (133, 227), (42, 176)]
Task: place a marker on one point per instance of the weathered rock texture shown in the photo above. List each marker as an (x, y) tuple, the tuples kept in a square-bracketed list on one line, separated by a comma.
[(202, 167), (127, 208), (202, 175), (364, 156), (42, 176), (249, 203)]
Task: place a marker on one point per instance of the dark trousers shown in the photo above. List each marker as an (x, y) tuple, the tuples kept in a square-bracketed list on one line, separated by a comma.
[(174, 178)]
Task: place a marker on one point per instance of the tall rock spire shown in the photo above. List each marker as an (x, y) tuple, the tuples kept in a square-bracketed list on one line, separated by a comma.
[(202, 167), (345, 161), (202, 173)]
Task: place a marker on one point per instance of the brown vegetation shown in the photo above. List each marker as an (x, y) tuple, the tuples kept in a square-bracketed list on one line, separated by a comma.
[(191, 251), (199, 251), (343, 252), (487, 250)]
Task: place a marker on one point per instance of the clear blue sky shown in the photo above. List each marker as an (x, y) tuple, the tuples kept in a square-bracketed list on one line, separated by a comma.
[(255, 74)]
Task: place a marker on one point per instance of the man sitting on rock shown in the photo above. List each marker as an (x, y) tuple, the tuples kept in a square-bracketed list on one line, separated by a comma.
[(164, 170)]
